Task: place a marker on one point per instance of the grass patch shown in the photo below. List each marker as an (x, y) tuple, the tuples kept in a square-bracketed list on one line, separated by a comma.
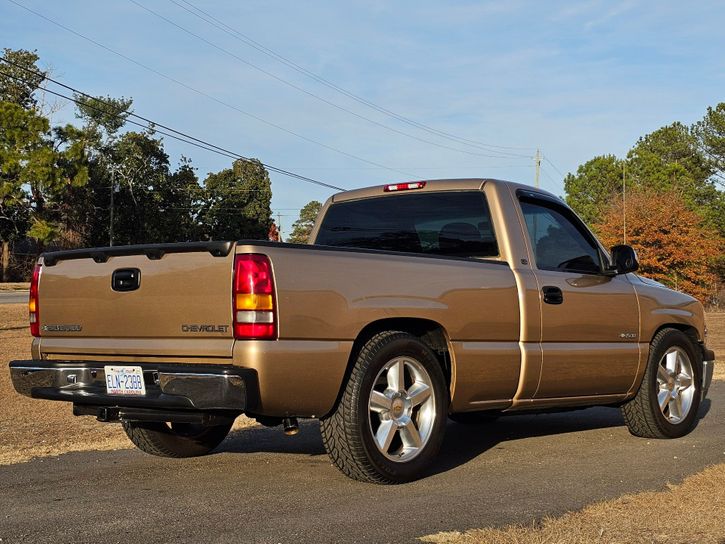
[(692, 512), (10, 286), (716, 342)]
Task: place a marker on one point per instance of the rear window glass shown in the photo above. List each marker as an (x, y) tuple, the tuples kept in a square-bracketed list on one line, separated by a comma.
[(451, 223)]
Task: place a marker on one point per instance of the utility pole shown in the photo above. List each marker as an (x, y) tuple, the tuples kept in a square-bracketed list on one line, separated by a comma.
[(5, 260), (110, 225), (624, 202), (279, 225), (537, 162)]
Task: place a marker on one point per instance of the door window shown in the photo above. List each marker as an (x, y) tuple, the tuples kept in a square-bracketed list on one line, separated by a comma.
[(559, 240)]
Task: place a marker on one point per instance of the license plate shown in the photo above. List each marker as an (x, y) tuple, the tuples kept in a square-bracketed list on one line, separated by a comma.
[(124, 380)]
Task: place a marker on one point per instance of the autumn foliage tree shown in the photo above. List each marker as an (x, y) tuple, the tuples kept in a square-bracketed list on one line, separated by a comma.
[(673, 245)]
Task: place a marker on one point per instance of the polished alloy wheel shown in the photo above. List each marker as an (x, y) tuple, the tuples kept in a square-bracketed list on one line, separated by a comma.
[(676, 385), (401, 409)]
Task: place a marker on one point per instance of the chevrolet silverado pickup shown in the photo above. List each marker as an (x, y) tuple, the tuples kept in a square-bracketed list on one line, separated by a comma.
[(414, 303)]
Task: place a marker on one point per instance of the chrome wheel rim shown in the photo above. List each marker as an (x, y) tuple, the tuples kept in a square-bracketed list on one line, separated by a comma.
[(401, 409), (675, 385)]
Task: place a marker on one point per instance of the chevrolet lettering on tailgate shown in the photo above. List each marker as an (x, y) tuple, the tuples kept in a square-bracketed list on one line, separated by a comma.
[(204, 328)]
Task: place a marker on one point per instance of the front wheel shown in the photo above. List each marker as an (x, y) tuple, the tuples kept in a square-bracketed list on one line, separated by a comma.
[(388, 426), (668, 399), (175, 439)]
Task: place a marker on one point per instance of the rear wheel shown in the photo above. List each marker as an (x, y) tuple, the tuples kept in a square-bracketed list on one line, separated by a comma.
[(389, 423), (668, 399), (175, 439)]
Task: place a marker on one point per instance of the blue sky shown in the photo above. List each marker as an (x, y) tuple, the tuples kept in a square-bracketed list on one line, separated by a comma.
[(575, 79)]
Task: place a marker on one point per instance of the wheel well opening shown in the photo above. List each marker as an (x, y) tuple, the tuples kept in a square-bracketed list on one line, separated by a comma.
[(429, 332), (689, 330)]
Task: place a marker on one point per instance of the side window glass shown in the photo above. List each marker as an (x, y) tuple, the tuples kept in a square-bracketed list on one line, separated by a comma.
[(557, 242)]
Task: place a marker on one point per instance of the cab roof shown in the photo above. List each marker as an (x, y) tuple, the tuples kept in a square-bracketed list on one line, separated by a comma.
[(432, 185)]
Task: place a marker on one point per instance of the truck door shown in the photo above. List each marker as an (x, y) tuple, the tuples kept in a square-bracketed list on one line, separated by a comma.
[(590, 321)]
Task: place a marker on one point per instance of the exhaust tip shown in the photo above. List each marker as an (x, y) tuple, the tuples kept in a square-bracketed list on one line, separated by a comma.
[(290, 426)]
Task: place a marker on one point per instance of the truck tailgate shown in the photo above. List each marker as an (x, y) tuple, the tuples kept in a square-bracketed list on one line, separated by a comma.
[(173, 299)]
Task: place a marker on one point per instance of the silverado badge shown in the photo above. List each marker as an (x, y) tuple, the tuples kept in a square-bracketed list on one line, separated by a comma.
[(62, 328)]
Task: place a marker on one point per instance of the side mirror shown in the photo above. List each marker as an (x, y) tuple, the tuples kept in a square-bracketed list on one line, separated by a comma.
[(624, 259)]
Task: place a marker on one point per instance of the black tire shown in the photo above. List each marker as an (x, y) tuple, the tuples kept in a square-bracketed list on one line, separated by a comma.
[(474, 418), (642, 414), (175, 439), (347, 432)]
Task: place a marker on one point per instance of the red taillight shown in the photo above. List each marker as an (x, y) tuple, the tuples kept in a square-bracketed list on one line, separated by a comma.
[(33, 305), (253, 300), (404, 186)]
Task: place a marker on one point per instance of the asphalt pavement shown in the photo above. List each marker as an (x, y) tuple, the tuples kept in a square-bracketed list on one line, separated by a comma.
[(262, 486), (13, 297)]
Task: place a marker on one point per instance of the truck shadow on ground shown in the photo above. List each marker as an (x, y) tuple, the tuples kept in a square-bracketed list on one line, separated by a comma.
[(476, 438), (462, 442)]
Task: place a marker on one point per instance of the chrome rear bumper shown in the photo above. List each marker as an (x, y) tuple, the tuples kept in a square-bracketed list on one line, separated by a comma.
[(168, 386)]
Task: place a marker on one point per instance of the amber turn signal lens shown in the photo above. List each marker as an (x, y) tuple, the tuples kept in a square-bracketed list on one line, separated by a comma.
[(254, 302)]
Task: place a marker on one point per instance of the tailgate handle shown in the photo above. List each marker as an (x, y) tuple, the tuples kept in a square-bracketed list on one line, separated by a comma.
[(126, 279)]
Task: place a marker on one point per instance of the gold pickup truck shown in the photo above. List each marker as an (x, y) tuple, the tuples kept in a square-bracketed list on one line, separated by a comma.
[(416, 302)]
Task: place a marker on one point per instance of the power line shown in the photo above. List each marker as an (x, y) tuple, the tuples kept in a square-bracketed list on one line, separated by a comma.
[(553, 182), (501, 154), (203, 145), (554, 167), (215, 208), (213, 21), (170, 132), (421, 168), (207, 95)]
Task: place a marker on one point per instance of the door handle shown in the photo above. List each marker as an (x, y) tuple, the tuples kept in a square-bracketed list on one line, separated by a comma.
[(552, 294)]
